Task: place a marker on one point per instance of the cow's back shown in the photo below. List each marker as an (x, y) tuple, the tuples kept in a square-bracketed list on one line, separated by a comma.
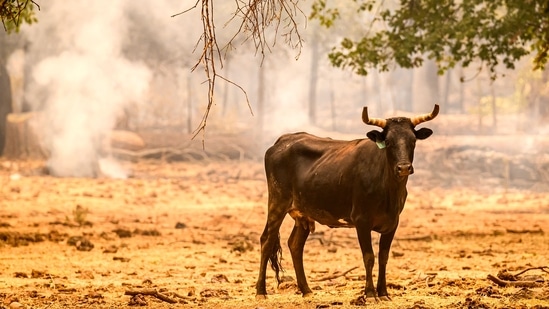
[(295, 149), (294, 157)]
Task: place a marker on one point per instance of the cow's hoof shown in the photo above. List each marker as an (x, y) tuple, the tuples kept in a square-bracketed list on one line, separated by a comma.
[(308, 295), (385, 298), (260, 297)]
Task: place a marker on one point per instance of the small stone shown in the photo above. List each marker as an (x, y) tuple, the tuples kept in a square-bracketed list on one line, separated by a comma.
[(137, 300), (180, 225), (16, 305), (123, 233), (84, 245)]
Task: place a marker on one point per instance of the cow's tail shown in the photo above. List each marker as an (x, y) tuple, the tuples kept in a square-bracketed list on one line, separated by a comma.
[(276, 258)]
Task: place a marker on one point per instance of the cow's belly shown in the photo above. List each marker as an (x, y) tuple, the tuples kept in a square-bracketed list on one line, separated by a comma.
[(382, 218), (321, 216), (324, 206)]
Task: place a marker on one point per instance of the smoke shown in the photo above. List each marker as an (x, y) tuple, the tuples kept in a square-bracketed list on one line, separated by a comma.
[(94, 60), (85, 83)]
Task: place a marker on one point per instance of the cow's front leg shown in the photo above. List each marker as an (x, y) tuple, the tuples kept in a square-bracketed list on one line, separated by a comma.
[(384, 247), (365, 241)]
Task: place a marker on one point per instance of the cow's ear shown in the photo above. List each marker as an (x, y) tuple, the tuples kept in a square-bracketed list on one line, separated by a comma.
[(375, 136), (423, 133)]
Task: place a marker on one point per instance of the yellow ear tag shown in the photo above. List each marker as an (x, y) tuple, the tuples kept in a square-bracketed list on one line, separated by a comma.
[(380, 145)]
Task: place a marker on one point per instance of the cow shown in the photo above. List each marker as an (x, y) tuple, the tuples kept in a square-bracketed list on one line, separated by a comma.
[(359, 183)]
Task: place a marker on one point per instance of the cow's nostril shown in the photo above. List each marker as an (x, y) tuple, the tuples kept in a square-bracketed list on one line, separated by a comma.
[(404, 169)]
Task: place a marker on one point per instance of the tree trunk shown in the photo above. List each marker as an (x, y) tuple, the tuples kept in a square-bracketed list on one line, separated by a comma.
[(401, 81), (189, 105), (225, 99), (479, 105), (377, 95), (446, 91), (461, 98), (313, 79), (5, 103), (493, 108), (21, 140), (426, 87), (261, 99), (333, 106)]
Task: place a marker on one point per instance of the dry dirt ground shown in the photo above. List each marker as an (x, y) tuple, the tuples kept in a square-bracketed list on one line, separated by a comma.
[(190, 231)]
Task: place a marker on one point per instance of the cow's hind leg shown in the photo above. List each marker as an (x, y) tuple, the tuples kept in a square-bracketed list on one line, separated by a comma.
[(296, 242), (270, 246)]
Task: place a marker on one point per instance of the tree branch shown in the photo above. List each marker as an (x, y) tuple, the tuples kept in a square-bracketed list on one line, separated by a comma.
[(151, 292), (505, 283), (335, 275), (542, 268), (256, 16), (13, 12)]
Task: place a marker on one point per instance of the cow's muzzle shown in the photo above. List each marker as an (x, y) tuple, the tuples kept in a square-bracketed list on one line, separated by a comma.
[(404, 169)]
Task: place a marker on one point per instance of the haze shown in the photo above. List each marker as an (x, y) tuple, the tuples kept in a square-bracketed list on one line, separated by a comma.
[(86, 67)]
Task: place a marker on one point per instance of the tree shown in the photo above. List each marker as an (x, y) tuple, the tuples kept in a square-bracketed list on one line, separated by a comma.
[(16, 12), (449, 32), (13, 13), (489, 33), (404, 34)]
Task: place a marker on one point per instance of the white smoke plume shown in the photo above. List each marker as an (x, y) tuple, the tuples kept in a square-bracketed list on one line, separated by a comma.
[(84, 84)]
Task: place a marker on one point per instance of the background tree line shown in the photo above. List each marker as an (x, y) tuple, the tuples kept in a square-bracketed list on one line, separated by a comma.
[(412, 53)]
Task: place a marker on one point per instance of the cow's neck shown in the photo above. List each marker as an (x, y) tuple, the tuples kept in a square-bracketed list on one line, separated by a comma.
[(395, 193)]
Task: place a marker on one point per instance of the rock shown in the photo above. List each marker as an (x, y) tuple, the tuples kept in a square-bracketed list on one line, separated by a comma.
[(214, 293), (180, 225), (111, 249), (137, 300), (219, 278), (84, 245), (123, 233), (121, 259), (85, 274), (16, 305), (73, 240), (127, 140), (80, 242)]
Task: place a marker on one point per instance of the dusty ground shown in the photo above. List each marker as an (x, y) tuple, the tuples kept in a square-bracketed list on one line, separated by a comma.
[(191, 231)]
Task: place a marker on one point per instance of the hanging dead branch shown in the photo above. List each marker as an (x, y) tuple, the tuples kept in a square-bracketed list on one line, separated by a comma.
[(210, 55), (259, 15), (256, 17)]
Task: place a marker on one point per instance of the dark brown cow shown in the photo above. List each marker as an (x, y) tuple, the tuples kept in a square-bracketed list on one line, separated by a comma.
[(359, 183)]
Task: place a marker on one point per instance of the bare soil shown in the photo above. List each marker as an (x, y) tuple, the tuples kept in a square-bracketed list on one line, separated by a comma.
[(190, 231)]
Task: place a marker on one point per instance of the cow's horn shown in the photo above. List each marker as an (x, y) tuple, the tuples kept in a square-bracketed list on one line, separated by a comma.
[(426, 117), (372, 121)]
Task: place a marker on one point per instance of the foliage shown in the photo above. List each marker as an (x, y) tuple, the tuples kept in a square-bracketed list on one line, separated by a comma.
[(449, 32), (503, 105), (325, 15), (16, 12), (79, 215)]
